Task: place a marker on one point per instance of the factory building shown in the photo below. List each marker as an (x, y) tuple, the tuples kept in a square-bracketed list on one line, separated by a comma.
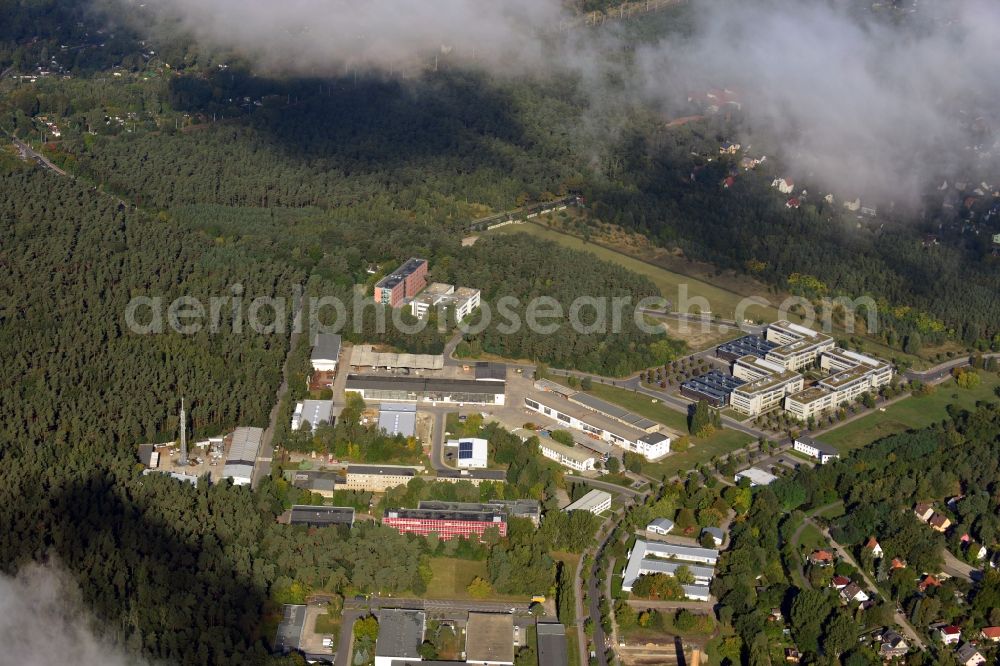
[(313, 412), (242, 456), (425, 389), (325, 352)]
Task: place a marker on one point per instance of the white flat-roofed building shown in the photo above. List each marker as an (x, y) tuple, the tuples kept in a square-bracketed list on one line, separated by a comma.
[(472, 452), (462, 301), (752, 368), (573, 457), (570, 414), (651, 557), (798, 346), (696, 592), (595, 501), (756, 476), (765, 394), (242, 456), (313, 412), (814, 448), (812, 401), (325, 352)]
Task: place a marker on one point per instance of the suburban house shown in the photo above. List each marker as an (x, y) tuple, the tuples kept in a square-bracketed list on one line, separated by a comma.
[(893, 645), (991, 634), (968, 655), (939, 522), (928, 582), (897, 564), (874, 548), (950, 634), (840, 582), (718, 536), (814, 448), (784, 185), (923, 511), (821, 558), (794, 202), (853, 593)]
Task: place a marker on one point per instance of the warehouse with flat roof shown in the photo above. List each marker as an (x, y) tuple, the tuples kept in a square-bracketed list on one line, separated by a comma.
[(398, 419), (427, 389), (552, 644), (365, 356), (242, 456), (313, 412), (490, 639), (400, 633), (321, 516)]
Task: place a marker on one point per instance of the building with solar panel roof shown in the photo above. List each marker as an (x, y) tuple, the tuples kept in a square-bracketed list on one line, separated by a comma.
[(472, 452)]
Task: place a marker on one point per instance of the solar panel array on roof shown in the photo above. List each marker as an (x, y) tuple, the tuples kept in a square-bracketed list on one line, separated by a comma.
[(464, 450), (614, 411), (714, 385), (753, 345)]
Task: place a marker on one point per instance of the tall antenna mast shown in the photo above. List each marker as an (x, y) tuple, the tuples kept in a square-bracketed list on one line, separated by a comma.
[(184, 445)]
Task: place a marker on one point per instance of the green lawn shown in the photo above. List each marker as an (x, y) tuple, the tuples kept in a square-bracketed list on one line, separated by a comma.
[(329, 624), (723, 302), (452, 576), (910, 413), (812, 539), (702, 449)]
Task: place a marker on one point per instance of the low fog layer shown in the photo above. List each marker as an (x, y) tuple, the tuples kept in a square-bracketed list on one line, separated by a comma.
[(329, 36), (42, 622), (859, 103), (863, 104)]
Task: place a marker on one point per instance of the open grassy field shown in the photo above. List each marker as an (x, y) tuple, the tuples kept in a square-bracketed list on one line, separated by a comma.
[(910, 413), (702, 449), (722, 301), (452, 576)]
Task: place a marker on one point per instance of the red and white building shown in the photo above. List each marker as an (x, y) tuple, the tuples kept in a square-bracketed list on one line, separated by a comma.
[(445, 524)]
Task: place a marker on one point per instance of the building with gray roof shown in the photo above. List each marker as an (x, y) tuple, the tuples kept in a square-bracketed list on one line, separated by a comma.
[(325, 352), (242, 456), (552, 644), (400, 633), (398, 419), (313, 412)]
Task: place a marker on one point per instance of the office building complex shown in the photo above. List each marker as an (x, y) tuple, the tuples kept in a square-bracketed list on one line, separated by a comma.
[(447, 523), (461, 301)]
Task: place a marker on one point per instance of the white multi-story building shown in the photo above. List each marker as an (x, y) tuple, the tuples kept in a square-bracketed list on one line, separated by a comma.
[(851, 375), (814, 448), (798, 346), (763, 395), (462, 300), (575, 458), (651, 445), (752, 368)]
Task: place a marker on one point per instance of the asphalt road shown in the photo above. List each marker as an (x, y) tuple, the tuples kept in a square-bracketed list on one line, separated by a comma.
[(262, 467), (38, 158)]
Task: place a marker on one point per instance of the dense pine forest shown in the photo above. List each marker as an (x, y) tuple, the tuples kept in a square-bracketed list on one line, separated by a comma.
[(193, 178)]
